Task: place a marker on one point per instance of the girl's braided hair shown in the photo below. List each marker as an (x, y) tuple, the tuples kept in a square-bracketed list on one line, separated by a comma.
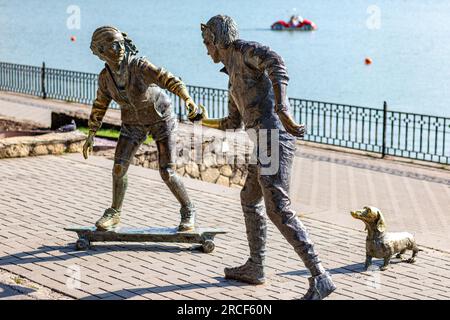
[(98, 40)]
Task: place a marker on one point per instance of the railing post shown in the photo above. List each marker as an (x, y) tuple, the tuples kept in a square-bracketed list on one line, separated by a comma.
[(180, 110), (383, 148), (44, 92)]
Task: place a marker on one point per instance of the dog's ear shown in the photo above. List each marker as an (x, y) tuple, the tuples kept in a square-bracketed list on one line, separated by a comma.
[(381, 225)]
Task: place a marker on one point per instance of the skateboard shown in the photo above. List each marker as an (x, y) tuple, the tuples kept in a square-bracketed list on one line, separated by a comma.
[(203, 236)]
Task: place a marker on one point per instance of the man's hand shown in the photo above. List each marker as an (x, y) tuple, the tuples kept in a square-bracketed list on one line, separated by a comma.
[(281, 108), (196, 112), (88, 145), (297, 130), (207, 122)]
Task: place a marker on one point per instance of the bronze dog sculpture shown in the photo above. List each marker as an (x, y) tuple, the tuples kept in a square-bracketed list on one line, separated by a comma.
[(382, 244)]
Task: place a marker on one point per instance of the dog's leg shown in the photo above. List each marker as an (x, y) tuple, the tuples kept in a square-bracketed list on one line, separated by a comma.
[(415, 251), (399, 255), (386, 263), (368, 261)]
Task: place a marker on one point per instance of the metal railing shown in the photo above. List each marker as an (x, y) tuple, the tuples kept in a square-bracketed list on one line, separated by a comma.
[(383, 131)]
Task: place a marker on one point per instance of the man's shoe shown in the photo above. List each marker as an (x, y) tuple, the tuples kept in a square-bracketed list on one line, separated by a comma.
[(250, 272), (320, 287), (109, 220)]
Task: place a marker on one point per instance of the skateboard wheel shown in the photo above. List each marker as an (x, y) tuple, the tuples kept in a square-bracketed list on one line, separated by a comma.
[(83, 244), (208, 246)]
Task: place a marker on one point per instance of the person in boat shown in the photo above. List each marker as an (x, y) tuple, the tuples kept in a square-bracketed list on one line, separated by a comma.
[(295, 21)]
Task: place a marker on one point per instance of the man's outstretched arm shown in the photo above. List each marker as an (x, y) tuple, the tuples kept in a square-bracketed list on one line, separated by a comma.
[(232, 121)]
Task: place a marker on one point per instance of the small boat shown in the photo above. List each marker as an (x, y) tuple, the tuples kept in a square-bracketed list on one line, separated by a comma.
[(296, 23)]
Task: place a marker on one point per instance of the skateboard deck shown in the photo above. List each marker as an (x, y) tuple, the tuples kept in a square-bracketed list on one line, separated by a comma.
[(203, 236)]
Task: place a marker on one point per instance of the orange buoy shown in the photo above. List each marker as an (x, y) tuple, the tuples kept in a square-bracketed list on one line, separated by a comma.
[(368, 61), (73, 38)]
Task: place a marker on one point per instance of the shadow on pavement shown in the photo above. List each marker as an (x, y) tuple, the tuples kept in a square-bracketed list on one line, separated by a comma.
[(69, 252), (351, 268), (129, 293), (13, 292)]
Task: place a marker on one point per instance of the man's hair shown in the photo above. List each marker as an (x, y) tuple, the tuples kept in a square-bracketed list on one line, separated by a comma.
[(223, 29)]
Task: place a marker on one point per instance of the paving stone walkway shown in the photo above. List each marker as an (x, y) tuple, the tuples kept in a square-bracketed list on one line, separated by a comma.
[(39, 196)]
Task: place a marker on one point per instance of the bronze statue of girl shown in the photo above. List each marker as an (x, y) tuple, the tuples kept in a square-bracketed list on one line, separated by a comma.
[(137, 86)]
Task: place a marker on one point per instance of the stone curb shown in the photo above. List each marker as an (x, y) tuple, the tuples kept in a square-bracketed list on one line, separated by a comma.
[(51, 143)]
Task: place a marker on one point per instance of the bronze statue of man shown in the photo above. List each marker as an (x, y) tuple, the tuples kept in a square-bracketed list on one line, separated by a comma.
[(257, 98), (137, 86)]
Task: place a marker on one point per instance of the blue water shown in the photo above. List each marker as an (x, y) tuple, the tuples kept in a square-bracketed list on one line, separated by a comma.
[(410, 50)]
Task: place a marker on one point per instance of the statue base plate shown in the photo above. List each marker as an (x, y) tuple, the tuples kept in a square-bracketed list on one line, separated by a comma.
[(203, 236)]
